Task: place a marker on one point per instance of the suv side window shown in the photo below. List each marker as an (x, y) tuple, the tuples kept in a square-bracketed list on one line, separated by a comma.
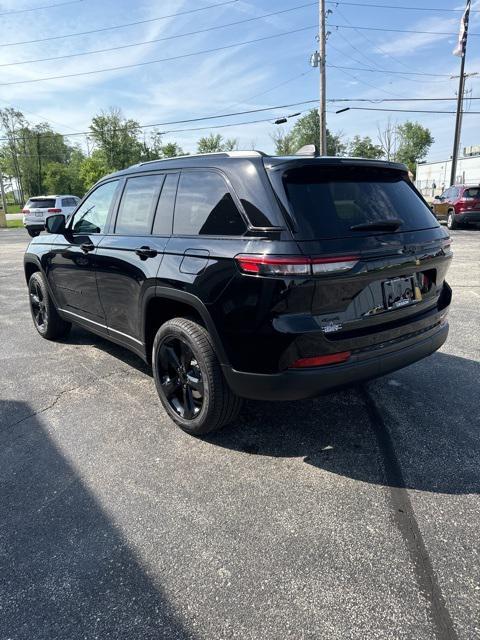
[(137, 206), (91, 217), (163, 218), (69, 202), (205, 206)]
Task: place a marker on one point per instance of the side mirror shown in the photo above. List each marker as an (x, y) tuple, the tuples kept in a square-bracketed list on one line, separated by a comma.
[(55, 223), (437, 198)]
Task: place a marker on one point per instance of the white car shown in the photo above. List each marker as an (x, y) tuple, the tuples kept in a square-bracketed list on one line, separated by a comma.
[(38, 208)]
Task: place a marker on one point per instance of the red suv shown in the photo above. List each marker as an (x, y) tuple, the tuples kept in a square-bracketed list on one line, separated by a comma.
[(458, 205)]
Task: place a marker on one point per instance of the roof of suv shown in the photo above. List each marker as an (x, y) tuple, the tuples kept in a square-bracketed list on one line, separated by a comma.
[(226, 158)]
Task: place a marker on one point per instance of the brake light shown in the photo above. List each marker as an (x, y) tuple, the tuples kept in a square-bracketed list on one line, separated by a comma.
[(54, 211), (319, 361), (268, 265)]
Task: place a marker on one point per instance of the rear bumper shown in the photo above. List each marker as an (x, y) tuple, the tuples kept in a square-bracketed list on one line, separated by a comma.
[(296, 384), (468, 217)]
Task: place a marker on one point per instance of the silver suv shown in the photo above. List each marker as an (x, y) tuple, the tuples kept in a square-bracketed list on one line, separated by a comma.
[(39, 208)]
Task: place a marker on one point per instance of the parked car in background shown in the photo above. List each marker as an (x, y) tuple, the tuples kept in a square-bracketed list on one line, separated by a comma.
[(458, 205), (37, 210), (240, 275)]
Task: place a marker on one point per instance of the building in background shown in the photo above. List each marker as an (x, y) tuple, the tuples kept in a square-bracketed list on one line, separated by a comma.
[(433, 177)]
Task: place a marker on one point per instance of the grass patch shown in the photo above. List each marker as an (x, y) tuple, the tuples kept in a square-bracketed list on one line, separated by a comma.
[(14, 224), (14, 208)]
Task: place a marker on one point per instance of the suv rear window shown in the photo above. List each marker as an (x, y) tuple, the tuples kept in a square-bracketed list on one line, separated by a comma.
[(472, 193), (327, 201), (40, 203)]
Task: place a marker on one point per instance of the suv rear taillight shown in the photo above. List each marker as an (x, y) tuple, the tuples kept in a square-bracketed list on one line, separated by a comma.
[(267, 265), (54, 211), (25, 210)]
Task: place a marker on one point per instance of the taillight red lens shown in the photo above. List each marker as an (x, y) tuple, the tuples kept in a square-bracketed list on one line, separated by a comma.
[(319, 361), (54, 211), (25, 210), (267, 265)]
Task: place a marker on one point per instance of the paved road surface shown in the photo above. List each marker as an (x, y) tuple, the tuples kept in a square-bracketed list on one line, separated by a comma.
[(354, 516)]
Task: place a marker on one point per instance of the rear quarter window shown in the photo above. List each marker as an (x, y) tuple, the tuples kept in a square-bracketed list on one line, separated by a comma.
[(327, 202), (205, 206), (472, 192)]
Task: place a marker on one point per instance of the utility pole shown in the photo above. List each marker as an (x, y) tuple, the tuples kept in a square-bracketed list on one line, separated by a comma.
[(462, 51), (3, 211), (323, 82)]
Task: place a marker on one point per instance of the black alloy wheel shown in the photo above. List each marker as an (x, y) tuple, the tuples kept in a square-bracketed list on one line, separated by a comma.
[(45, 317), (189, 378), (38, 305), (181, 378)]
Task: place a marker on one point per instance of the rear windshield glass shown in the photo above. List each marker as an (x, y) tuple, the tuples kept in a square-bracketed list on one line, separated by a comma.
[(472, 193), (327, 202), (40, 203)]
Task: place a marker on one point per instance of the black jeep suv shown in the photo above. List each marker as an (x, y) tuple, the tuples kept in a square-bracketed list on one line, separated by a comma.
[(240, 275)]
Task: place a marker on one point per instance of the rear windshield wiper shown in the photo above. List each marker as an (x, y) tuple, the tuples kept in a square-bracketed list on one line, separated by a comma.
[(378, 225)]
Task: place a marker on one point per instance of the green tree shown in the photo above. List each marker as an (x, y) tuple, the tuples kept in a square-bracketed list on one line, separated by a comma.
[(215, 142), (364, 148), (93, 168), (283, 142), (306, 130), (117, 138), (171, 150), (414, 143), (66, 177)]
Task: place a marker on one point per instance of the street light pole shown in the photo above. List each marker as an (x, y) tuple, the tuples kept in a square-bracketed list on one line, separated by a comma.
[(323, 83), (461, 91)]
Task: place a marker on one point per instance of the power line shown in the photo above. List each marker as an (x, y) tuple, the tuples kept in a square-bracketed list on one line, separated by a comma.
[(202, 52), (121, 26), (410, 110), (164, 38), (260, 110), (385, 29), (413, 73), (149, 62), (397, 6), (45, 6)]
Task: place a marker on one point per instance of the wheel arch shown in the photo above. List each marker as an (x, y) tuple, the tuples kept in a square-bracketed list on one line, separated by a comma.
[(163, 304)]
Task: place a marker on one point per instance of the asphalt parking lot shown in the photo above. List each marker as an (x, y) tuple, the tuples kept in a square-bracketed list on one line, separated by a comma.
[(356, 515)]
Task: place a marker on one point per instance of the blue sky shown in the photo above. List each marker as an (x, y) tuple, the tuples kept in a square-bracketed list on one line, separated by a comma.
[(237, 78)]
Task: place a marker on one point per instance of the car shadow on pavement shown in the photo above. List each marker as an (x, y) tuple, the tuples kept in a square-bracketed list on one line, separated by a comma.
[(79, 336), (66, 570), (435, 443)]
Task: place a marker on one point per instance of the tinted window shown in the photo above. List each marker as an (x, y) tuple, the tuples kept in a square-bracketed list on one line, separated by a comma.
[(139, 199), (69, 202), (327, 202), (40, 203), (472, 192), (205, 206), (164, 215), (91, 217)]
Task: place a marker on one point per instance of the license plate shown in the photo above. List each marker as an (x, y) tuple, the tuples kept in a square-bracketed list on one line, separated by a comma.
[(39, 214), (400, 292)]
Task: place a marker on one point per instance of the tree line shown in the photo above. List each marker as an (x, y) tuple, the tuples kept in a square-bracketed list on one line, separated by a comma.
[(36, 160)]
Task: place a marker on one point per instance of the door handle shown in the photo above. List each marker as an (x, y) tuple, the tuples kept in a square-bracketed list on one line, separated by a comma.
[(86, 247), (146, 252)]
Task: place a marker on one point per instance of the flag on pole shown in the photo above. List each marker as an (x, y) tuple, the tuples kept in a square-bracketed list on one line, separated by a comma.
[(460, 48)]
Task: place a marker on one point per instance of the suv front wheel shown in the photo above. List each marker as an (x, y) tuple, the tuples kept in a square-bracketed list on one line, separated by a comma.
[(45, 317), (189, 378)]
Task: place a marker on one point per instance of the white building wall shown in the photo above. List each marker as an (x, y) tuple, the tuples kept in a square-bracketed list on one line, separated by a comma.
[(438, 173)]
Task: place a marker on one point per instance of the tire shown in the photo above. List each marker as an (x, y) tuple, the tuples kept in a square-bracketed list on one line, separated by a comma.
[(33, 233), (44, 314), (451, 222), (189, 378)]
